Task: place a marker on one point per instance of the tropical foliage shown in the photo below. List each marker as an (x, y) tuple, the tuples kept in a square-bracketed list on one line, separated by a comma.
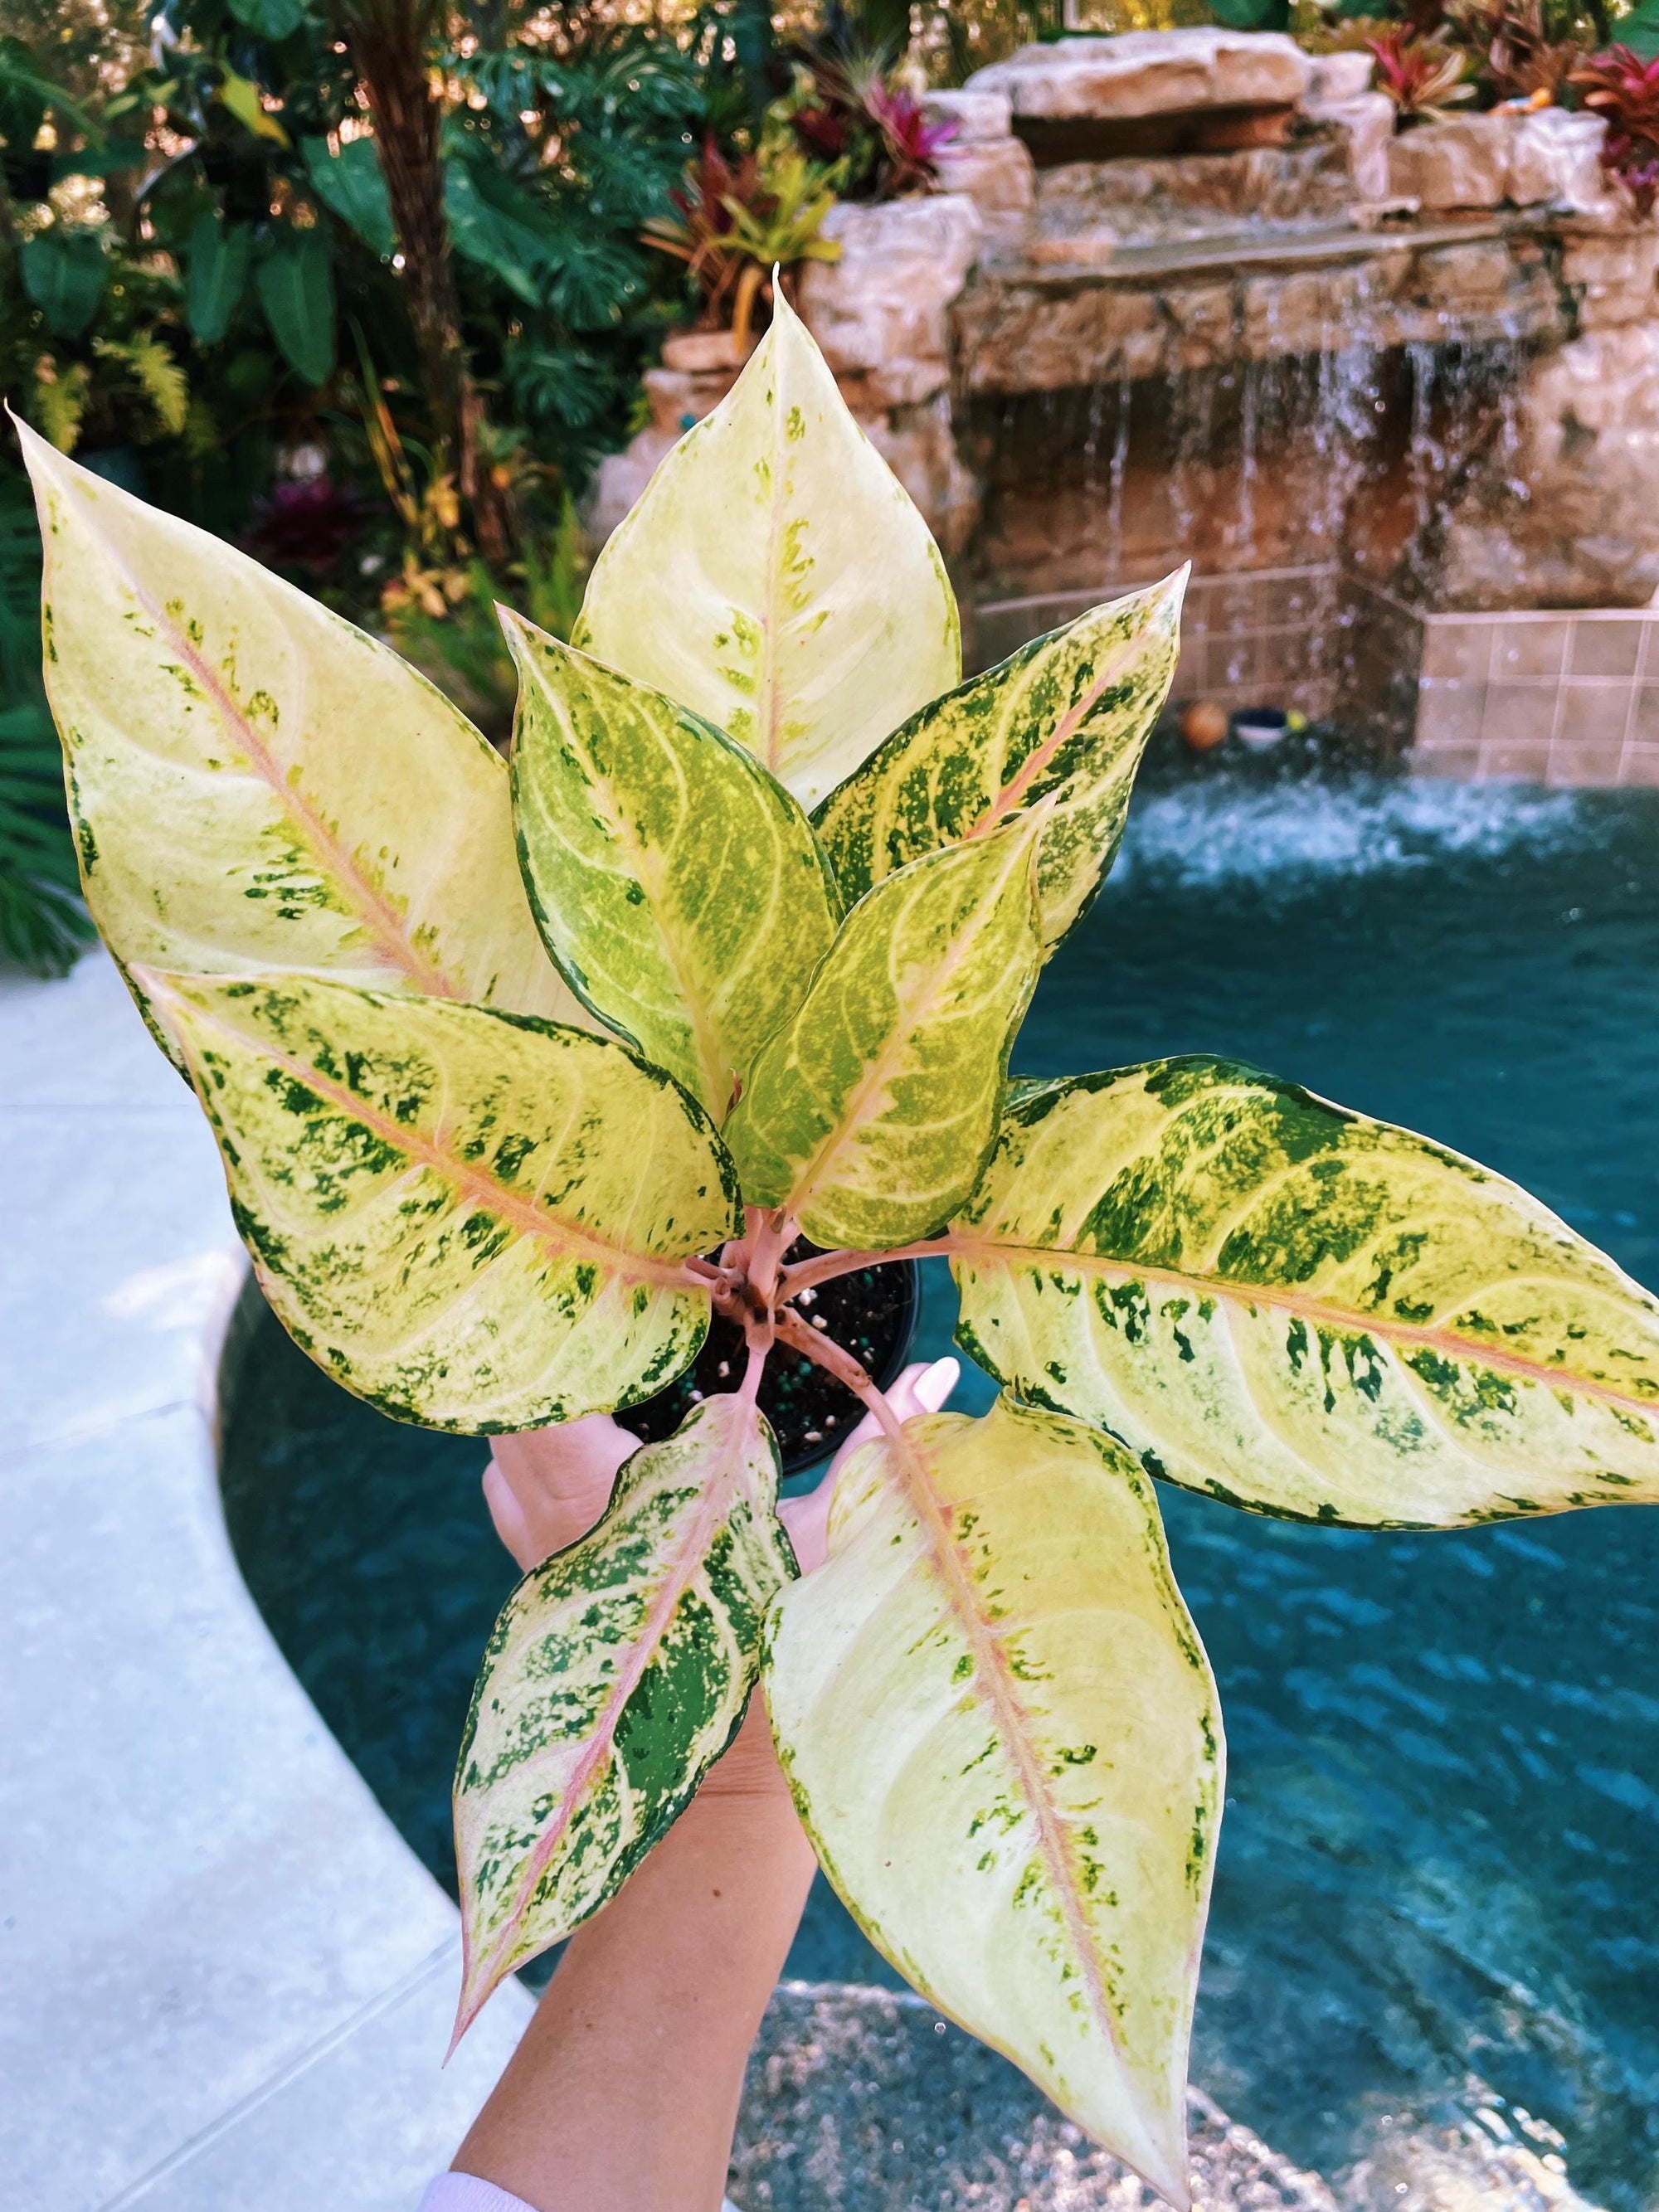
[(520, 1074)]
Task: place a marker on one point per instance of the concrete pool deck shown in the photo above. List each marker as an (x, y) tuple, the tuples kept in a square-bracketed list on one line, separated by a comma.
[(226, 1983)]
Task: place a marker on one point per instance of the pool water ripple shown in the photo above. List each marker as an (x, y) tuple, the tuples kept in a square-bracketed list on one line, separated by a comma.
[(1433, 1950)]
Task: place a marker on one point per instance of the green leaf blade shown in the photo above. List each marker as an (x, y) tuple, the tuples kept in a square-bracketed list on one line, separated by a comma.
[(1004, 1741), (215, 276), (64, 273), (473, 1220), (351, 185), (1067, 717), (1302, 1310), (256, 784), (295, 284), (675, 882), (872, 1110), (617, 1673), (775, 578)]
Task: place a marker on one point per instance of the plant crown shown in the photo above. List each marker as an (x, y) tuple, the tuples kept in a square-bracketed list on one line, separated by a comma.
[(519, 1074)]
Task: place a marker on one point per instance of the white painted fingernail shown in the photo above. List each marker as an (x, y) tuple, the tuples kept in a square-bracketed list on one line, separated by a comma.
[(933, 1388)]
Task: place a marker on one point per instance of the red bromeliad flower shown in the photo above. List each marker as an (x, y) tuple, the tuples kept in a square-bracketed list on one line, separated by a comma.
[(1422, 76), (879, 130), (1620, 85)]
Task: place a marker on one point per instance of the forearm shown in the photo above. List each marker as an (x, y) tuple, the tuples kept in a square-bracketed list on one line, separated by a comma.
[(622, 2095)]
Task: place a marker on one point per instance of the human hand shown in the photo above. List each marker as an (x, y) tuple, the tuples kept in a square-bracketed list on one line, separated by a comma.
[(548, 1486)]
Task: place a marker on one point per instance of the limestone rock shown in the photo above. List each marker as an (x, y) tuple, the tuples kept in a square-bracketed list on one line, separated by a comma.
[(700, 353), (1612, 274), (1149, 73), (919, 445), (981, 118), (677, 398), (998, 174), (1338, 77), (1463, 162), (880, 314), (1366, 121), (619, 481), (1556, 158), (1584, 531)]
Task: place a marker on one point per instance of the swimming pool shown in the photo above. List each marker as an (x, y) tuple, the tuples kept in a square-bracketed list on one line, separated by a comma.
[(1435, 1890)]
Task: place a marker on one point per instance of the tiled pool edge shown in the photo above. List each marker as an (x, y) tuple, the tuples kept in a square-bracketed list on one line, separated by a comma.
[(224, 1978), (1567, 697)]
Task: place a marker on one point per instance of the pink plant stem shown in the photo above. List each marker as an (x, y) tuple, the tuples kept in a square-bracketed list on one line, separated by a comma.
[(829, 1265), (824, 1352)]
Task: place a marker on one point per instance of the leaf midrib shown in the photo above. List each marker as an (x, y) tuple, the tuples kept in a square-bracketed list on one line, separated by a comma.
[(889, 1062), (1232, 1292), (375, 913), (1010, 796), (717, 1498), (993, 1678), (521, 1214)]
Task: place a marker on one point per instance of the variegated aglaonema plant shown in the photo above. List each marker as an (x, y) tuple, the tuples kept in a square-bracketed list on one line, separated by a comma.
[(520, 1073)]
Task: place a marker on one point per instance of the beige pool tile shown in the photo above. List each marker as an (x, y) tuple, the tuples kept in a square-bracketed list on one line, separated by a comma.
[(1606, 648), (1529, 647), (1519, 714), (1449, 714), (1578, 765), (1460, 652), (1593, 714), (1530, 763), (1644, 723), (1640, 765), (1461, 764)]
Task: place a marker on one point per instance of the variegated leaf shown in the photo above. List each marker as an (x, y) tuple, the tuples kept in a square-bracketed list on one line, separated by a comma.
[(1069, 715), (776, 579), (870, 1114), (1002, 1731), (617, 1675), (474, 1221), (255, 784), (1302, 1310), (677, 884)]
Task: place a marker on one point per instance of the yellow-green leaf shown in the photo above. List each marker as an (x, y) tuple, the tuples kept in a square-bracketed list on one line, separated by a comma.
[(1302, 1310), (256, 784), (1069, 715), (1002, 1733), (615, 1676), (474, 1221), (871, 1112), (678, 884), (776, 579)]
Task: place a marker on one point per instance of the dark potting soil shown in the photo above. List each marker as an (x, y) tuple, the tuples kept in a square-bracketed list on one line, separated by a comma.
[(871, 1313)]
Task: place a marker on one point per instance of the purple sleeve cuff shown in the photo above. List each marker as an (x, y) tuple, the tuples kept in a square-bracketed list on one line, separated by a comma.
[(460, 2192)]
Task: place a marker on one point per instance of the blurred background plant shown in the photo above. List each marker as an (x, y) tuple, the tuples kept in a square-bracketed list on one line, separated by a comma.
[(368, 286)]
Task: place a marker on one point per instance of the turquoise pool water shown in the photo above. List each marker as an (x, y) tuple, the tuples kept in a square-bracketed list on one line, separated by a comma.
[(1436, 1889)]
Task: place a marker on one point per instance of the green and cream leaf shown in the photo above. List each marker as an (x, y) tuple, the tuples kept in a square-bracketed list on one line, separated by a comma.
[(474, 1221), (1303, 1310), (871, 1112), (1002, 1731), (1067, 716), (616, 1676), (256, 785), (676, 883), (776, 579)]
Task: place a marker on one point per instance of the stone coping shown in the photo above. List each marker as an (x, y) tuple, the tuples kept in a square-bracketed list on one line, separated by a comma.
[(225, 1980)]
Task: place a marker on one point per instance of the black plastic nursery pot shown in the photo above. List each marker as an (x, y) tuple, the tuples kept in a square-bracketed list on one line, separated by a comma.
[(871, 1313)]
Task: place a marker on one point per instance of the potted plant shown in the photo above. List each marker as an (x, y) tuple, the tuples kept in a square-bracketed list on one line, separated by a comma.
[(737, 226), (520, 1075)]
